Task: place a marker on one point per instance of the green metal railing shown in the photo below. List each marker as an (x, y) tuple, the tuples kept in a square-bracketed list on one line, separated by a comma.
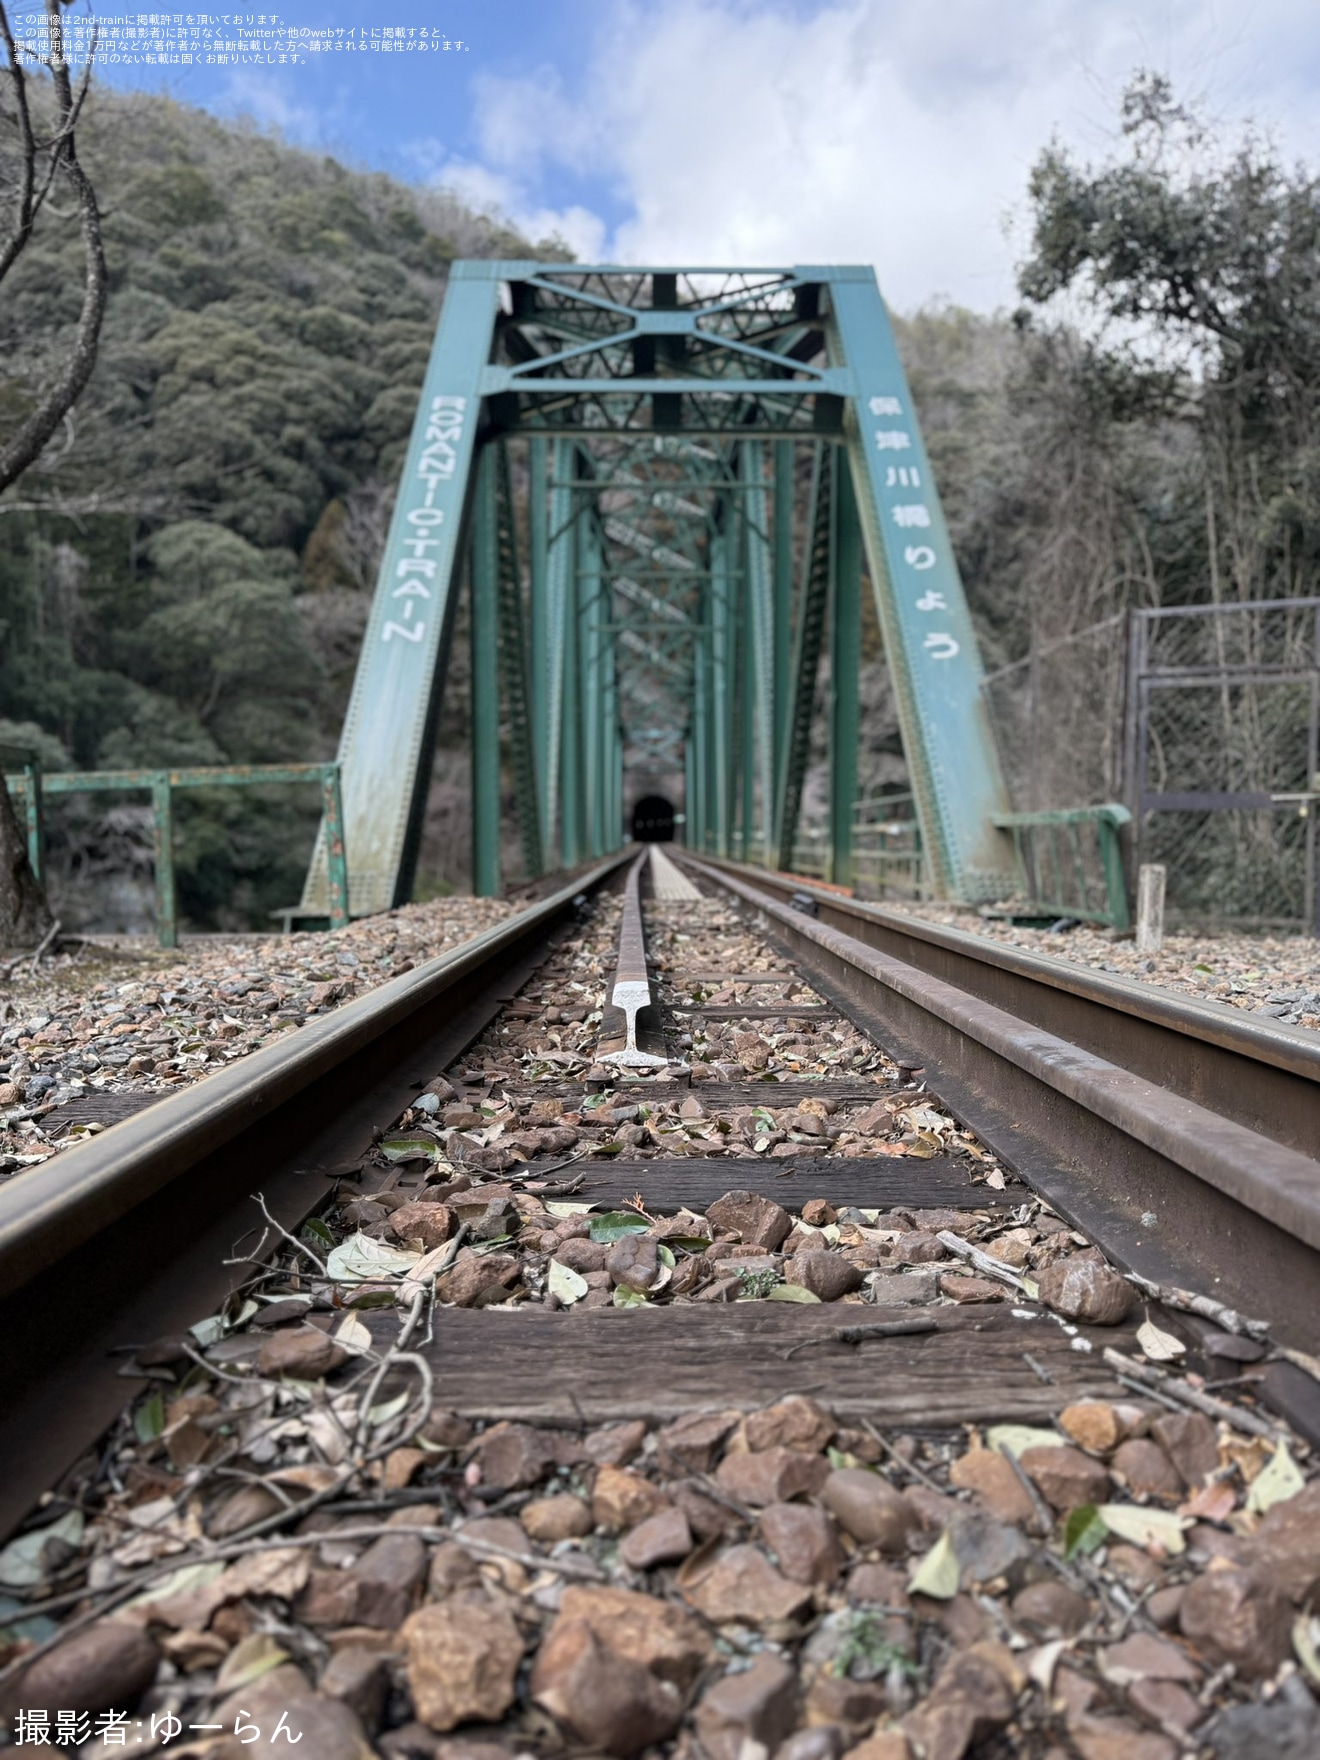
[(1071, 861), (28, 784)]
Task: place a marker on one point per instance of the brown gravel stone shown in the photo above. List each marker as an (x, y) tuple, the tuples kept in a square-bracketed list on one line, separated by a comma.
[(1165, 1605), (478, 1281), (795, 1422), (960, 1287), (660, 1539), (706, 1518), (1065, 1477), (691, 1444), (634, 1261), (551, 1519), (804, 1540), (881, 1583), (1097, 1425), (446, 1430), (431, 1224), (1147, 1469), (1167, 1703), (252, 1503), (989, 1475), (819, 1213), (757, 1221), (1285, 1549), (451, 1569), (107, 1667), (611, 1701), (885, 1744), (656, 1634), (1114, 1738), (614, 1445), (1191, 1443), (582, 1255), (1083, 1290), (359, 1677), (462, 1663), (512, 1456), (621, 1498), (827, 1275), (852, 1705), (306, 1354), (869, 1508), (970, 1700), (1233, 1616), (1134, 1566), (1051, 1610), (743, 1585), (498, 1531), (826, 1742), (386, 1578), (1142, 1657), (774, 1475), (758, 1704)]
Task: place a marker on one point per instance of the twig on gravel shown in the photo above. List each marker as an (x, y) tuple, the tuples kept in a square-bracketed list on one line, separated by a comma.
[(1206, 1306), (911, 1467), (983, 1262), (1044, 1518), (297, 1245), (1190, 1396)]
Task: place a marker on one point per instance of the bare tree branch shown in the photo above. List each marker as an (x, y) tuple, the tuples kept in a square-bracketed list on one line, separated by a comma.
[(21, 228), (26, 446)]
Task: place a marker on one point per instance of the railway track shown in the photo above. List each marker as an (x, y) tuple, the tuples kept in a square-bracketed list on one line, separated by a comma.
[(576, 1250)]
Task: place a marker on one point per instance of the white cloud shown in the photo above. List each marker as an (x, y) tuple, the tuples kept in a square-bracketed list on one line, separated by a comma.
[(267, 101), (495, 193), (870, 130)]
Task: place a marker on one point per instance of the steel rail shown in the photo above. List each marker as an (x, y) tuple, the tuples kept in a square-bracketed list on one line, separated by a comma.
[(631, 991), (1248, 1068), (1179, 1191), (122, 1239)]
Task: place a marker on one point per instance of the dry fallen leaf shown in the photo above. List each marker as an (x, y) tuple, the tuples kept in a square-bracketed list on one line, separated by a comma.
[(1275, 1483), (1157, 1346), (939, 1573), (1210, 1503)]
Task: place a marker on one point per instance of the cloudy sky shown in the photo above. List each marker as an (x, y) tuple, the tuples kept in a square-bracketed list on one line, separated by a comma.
[(897, 132)]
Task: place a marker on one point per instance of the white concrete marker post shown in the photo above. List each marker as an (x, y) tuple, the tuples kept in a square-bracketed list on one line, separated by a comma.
[(1150, 907)]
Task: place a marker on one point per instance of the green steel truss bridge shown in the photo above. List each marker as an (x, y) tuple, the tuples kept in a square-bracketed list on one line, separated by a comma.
[(665, 489)]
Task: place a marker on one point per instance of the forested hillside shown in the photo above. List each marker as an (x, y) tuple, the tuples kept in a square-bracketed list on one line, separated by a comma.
[(183, 578)]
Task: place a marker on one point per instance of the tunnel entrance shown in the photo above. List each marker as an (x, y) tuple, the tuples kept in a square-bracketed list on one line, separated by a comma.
[(653, 820)]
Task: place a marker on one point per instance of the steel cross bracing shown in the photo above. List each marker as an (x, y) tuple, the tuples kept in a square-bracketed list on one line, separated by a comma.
[(707, 462)]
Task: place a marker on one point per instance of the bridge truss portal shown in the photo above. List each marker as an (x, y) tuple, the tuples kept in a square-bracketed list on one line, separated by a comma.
[(665, 488)]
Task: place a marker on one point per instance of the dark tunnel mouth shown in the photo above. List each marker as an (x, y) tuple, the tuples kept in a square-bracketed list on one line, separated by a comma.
[(653, 820)]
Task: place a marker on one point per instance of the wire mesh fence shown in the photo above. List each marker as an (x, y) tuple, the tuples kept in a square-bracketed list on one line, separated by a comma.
[(1205, 721), (1222, 729)]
